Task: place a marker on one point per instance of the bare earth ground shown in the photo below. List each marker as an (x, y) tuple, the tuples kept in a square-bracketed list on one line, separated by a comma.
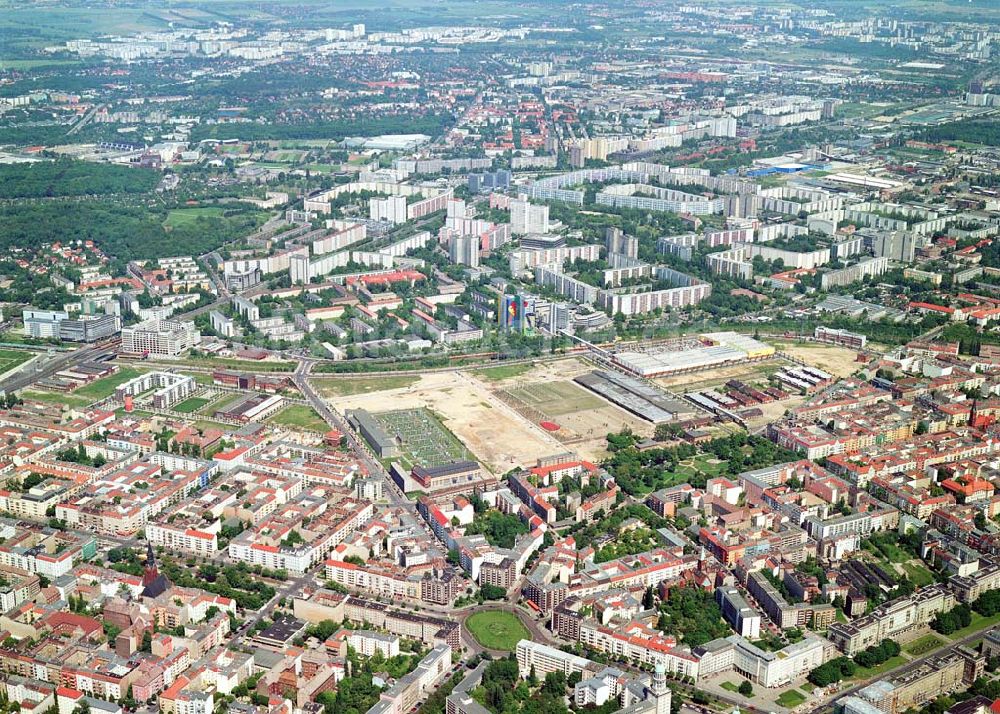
[(710, 378), (499, 437), (584, 429), (838, 361)]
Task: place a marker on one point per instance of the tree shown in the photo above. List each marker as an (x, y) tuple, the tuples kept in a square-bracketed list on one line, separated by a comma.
[(746, 689)]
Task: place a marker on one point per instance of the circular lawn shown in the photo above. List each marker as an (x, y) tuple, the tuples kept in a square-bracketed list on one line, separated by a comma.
[(497, 629)]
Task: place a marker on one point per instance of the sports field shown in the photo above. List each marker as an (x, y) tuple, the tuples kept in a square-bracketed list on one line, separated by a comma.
[(497, 629), (425, 440), (556, 398)]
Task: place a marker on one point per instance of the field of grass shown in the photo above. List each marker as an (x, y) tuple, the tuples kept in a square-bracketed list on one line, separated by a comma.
[(55, 398), (348, 386), (790, 699), (923, 645), (862, 673), (918, 574), (553, 399), (497, 630), (106, 387), (497, 374), (425, 440), (978, 623), (730, 686), (300, 416), (181, 216), (200, 377), (9, 359), (189, 406)]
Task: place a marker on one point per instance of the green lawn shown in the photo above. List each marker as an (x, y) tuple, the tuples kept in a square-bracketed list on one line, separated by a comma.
[(497, 629), (862, 673), (363, 385), (497, 374), (923, 645), (918, 574), (978, 623), (191, 405), (106, 387), (200, 377), (55, 398), (790, 699), (9, 359), (730, 686), (182, 216), (300, 417)]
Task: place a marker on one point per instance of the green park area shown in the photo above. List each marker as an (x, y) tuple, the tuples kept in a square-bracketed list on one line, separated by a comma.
[(497, 629), (300, 416)]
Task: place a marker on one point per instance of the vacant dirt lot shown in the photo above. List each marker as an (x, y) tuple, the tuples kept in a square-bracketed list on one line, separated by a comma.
[(838, 361), (499, 437)]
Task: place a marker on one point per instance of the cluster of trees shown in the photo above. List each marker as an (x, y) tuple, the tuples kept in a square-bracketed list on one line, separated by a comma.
[(638, 472), (500, 529), (954, 619), (877, 654), (987, 604), (79, 456), (832, 671), (502, 691), (586, 534), (66, 177), (692, 616), (127, 232), (233, 581), (968, 130)]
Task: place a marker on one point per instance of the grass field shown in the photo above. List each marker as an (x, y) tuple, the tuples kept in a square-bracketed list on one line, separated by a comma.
[(730, 686), (55, 398), (200, 377), (106, 387), (363, 385), (497, 630), (868, 672), (189, 406), (923, 645), (497, 374), (790, 699), (425, 440), (918, 574), (9, 359), (300, 416), (978, 623), (556, 398), (182, 216)]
